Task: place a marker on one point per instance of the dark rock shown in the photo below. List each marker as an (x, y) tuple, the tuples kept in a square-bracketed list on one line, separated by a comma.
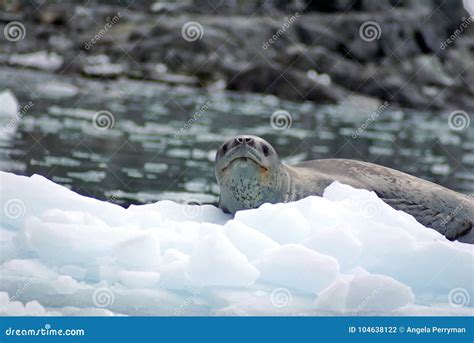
[(394, 87), (342, 71), (311, 32), (320, 56), (285, 83)]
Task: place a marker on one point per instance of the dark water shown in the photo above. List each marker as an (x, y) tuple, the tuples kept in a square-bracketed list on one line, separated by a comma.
[(142, 158)]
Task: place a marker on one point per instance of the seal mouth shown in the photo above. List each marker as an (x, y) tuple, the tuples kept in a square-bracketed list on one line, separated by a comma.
[(243, 159)]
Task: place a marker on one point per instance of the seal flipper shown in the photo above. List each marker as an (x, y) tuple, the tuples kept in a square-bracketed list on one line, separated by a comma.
[(446, 223)]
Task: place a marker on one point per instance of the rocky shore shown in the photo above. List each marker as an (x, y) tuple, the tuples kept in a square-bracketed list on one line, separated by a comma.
[(418, 55)]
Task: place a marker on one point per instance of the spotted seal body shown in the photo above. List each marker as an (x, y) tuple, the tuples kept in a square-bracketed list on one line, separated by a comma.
[(250, 173)]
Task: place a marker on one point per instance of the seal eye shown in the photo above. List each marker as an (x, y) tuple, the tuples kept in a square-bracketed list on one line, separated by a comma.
[(224, 148), (265, 150)]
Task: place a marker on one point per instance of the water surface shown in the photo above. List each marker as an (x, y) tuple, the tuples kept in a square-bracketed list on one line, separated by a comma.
[(163, 139)]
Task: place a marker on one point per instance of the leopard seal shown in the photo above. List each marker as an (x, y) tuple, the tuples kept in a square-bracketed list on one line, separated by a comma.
[(249, 173)]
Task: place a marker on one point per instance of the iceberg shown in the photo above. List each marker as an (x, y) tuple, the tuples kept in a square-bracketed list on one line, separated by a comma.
[(9, 113), (10, 105), (43, 60), (345, 253)]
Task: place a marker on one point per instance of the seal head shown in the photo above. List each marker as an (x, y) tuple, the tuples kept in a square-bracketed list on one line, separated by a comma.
[(248, 172)]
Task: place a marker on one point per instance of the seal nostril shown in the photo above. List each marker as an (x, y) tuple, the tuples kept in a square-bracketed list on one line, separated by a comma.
[(244, 140)]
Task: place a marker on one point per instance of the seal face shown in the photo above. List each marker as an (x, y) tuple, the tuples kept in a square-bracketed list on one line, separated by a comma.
[(247, 170), (250, 173)]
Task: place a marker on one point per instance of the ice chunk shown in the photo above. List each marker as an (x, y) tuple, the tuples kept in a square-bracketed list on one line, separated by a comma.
[(174, 275), (421, 266), (377, 294), (364, 294), (101, 66), (33, 196), (40, 60), (8, 245), (70, 243), (65, 284), (298, 267), (135, 279), (10, 105), (173, 255), (333, 298), (169, 210), (216, 261), (281, 223), (372, 210), (76, 272), (250, 242), (337, 242), (56, 89), (28, 268), (16, 308), (142, 252), (58, 248)]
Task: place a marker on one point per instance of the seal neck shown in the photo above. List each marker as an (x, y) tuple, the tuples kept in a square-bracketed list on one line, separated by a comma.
[(251, 192)]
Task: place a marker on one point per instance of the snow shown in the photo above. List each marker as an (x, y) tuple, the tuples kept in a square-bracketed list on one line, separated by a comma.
[(345, 253)]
